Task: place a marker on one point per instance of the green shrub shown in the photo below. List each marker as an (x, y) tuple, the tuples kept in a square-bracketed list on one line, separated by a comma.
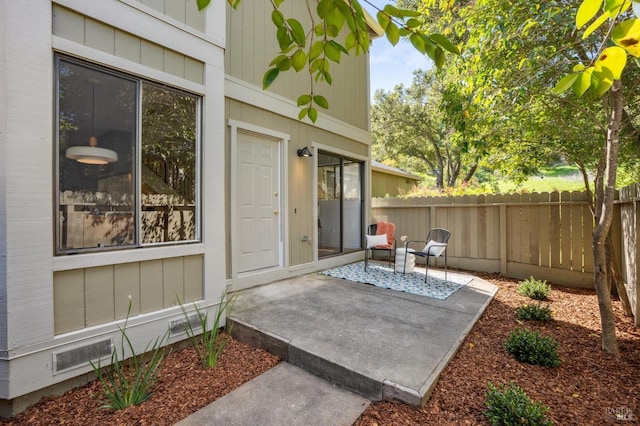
[(512, 406), (209, 344), (128, 382), (533, 313), (535, 289), (530, 347)]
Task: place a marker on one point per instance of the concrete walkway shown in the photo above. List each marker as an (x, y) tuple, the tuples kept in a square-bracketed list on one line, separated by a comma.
[(372, 343)]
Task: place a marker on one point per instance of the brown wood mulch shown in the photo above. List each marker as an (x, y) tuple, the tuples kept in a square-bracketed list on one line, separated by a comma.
[(589, 387)]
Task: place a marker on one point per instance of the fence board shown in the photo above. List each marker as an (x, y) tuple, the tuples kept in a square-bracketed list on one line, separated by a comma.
[(544, 242), (577, 233), (535, 236), (565, 232), (554, 230), (525, 229)]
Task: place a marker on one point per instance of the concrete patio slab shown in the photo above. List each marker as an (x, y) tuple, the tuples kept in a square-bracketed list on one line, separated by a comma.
[(378, 343)]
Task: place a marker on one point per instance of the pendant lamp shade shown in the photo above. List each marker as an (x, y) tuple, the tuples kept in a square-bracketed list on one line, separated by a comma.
[(92, 154)]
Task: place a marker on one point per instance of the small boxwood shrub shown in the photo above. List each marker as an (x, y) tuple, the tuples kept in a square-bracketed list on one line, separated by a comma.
[(533, 348), (512, 406), (533, 313), (534, 289)]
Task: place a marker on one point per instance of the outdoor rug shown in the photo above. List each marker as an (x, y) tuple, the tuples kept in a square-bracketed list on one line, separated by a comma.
[(382, 276)]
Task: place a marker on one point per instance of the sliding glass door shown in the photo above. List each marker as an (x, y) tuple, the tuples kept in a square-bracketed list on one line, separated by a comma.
[(340, 204)]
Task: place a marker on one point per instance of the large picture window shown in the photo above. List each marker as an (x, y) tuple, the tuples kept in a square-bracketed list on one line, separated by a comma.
[(128, 153)]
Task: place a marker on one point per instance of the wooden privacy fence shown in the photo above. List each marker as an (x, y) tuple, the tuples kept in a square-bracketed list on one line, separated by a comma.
[(544, 235)]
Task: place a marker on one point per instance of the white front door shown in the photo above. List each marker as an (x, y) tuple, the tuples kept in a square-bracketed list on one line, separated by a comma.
[(259, 203)]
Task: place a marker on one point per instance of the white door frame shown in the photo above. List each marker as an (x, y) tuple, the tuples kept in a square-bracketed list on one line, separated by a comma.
[(283, 139)]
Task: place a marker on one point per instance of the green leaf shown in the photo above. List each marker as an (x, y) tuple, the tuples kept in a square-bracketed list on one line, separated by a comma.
[(315, 51), (407, 13), (332, 52), (578, 67), (327, 77), (587, 11), (278, 59), (418, 42), (564, 83), (583, 82), (313, 114), (284, 65), (445, 43), (333, 30), (284, 41), (278, 18), (350, 41), (321, 101), (316, 65), (616, 7), (298, 60), (204, 3), (601, 81), (303, 113), (439, 57), (413, 23), (392, 33), (297, 31), (392, 10), (325, 7), (269, 77), (614, 59), (278, 2), (304, 100), (596, 24), (383, 19)]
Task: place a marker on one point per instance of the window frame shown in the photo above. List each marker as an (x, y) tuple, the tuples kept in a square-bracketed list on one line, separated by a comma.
[(137, 166)]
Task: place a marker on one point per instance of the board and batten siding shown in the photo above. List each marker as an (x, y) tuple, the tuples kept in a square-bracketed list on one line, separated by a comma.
[(72, 26), (545, 235), (389, 185), (98, 295), (252, 45), (183, 11)]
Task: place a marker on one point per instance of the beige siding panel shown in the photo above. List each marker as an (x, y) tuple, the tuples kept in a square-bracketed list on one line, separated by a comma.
[(152, 55), (176, 9), (68, 299), (173, 280), (127, 284), (193, 70), (173, 63), (194, 18), (68, 25), (99, 292), (151, 286), (193, 282), (154, 4), (127, 46), (100, 36)]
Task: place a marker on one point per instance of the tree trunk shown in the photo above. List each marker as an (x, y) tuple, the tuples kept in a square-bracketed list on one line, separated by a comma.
[(605, 194)]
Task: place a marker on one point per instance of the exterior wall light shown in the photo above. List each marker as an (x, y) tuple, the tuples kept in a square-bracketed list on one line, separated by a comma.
[(304, 152)]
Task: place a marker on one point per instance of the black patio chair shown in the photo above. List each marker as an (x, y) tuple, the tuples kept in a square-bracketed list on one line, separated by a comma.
[(436, 246)]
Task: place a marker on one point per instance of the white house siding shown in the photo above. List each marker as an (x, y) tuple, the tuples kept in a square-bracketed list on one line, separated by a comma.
[(112, 30)]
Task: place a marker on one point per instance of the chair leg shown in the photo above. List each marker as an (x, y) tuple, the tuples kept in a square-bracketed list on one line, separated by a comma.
[(445, 265), (366, 259), (426, 271)]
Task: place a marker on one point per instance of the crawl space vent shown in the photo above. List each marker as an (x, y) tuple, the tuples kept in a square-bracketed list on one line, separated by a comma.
[(81, 355), (180, 325)]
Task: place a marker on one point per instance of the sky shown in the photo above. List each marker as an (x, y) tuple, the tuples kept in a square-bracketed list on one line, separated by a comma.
[(392, 65)]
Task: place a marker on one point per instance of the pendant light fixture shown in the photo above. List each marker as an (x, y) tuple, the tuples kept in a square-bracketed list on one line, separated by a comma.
[(92, 154)]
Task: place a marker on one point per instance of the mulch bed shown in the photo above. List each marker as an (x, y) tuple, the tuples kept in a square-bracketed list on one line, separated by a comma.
[(589, 387)]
